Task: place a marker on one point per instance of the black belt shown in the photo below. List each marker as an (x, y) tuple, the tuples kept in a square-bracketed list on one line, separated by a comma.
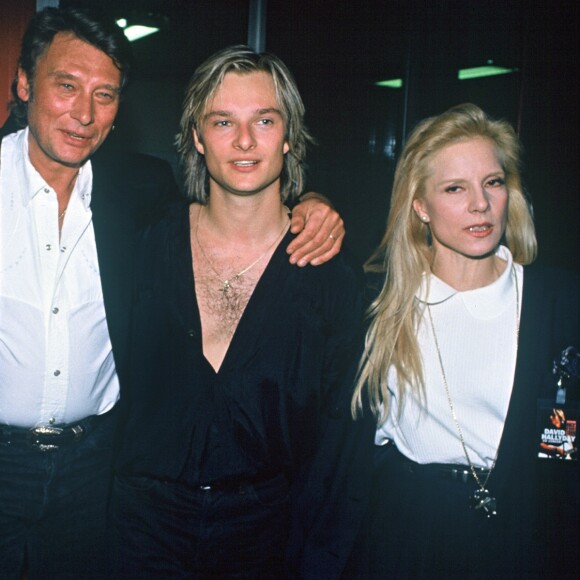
[(49, 437), (238, 484), (454, 472), (447, 471)]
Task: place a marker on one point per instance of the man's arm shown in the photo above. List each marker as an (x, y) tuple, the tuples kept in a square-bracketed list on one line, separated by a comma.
[(321, 231)]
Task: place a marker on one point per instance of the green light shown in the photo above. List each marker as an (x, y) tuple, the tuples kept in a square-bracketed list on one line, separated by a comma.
[(483, 71), (391, 83)]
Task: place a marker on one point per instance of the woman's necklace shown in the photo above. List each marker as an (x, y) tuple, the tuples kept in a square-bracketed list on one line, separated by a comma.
[(481, 499), (227, 284)]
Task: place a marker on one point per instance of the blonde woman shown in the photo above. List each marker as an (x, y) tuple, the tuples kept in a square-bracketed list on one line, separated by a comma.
[(458, 357)]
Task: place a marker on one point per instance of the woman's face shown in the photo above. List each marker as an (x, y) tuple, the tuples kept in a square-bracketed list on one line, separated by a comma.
[(465, 200)]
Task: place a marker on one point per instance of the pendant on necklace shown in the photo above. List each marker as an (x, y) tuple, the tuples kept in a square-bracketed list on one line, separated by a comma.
[(225, 287), (482, 501)]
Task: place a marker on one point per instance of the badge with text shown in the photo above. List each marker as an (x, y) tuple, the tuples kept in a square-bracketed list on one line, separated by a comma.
[(558, 417), (558, 428)]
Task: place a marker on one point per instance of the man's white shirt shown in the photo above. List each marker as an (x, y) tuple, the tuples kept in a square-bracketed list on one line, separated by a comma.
[(56, 360)]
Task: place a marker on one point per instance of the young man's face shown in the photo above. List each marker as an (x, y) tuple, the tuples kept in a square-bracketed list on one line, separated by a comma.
[(72, 102), (243, 136)]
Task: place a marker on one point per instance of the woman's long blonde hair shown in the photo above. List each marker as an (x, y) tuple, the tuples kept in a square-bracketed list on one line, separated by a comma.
[(405, 252)]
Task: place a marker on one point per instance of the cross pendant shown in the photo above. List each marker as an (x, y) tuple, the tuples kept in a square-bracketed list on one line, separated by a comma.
[(484, 501)]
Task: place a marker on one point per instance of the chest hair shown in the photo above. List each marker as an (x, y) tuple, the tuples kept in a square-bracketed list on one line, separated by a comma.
[(221, 309)]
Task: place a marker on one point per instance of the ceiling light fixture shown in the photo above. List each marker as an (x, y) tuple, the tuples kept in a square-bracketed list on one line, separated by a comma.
[(391, 83), (487, 70), (135, 31)]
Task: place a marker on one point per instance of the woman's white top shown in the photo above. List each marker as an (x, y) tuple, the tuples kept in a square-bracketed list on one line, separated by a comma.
[(476, 331)]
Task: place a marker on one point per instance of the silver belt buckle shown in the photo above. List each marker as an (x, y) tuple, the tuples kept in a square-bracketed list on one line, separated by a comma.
[(44, 430)]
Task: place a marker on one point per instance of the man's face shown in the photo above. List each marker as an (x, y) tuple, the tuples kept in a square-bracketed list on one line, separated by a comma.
[(72, 103), (243, 136)]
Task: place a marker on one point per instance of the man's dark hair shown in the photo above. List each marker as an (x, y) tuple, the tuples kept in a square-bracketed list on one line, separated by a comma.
[(90, 26)]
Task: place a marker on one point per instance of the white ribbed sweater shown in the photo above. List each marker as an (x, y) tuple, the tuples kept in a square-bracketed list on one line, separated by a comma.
[(476, 331)]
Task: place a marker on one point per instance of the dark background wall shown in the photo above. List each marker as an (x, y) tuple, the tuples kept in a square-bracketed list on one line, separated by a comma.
[(338, 49)]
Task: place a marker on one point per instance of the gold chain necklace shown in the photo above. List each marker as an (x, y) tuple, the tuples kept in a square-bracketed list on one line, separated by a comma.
[(481, 498), (227, 284)]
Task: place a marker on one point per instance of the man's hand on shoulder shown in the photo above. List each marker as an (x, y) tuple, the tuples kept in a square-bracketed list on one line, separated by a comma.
[(321, 231)]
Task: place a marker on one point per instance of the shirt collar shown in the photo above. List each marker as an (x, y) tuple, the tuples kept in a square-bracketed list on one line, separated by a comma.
[(486, 302), (33, 183)]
